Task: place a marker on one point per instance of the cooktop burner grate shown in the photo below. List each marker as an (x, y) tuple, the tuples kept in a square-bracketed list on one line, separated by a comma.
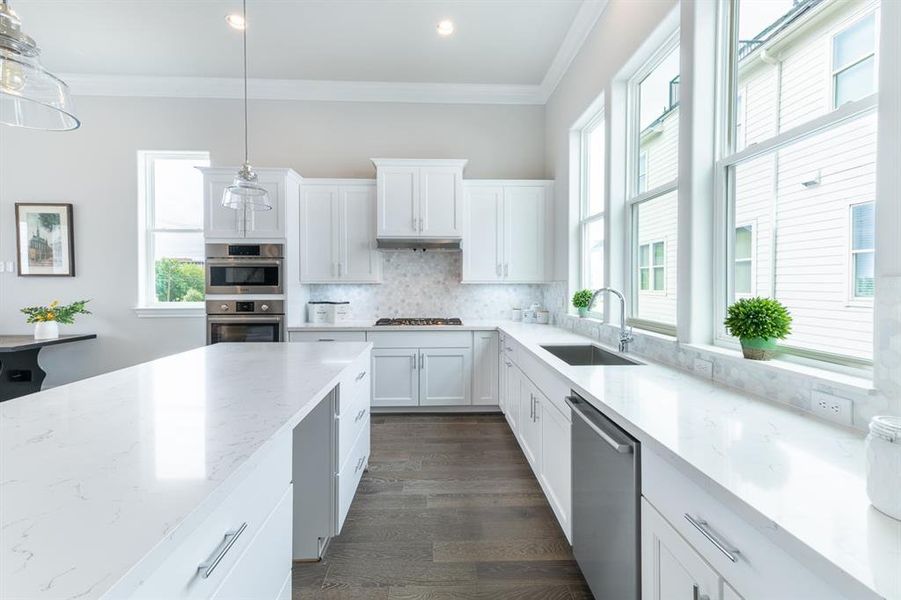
[(419, 321)]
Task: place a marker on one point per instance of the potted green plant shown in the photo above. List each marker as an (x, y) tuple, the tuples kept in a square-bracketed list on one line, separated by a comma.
[(758, 323), (582, 301), (46, 319)]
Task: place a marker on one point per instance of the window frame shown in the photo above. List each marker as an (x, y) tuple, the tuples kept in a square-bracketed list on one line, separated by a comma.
[(729, 157), (854, 19), (147, 301), (586, 219), (652, 290), (752, 225), (634, 196), (853, 298)]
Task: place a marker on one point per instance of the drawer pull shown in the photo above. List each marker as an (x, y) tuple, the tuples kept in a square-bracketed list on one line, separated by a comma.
[(210, 564), (360, 415), (703, 527), (326, 339), (359, 463), (360, 376), (508, 348)]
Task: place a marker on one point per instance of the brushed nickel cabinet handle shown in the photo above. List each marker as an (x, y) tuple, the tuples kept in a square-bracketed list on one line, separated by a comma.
[(210, 564), (360, 376), (704, 528), (360, 415)]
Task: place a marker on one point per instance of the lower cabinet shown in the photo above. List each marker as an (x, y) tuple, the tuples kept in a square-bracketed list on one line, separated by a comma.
[(529, 424), (395, 377), (484, 368), (511, 394), (445, 376)]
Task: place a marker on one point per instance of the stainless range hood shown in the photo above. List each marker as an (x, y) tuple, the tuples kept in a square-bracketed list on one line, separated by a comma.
[(443, 245)]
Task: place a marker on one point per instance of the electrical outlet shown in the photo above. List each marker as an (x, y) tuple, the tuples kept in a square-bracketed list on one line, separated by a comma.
[(704, 368), (833, 408)]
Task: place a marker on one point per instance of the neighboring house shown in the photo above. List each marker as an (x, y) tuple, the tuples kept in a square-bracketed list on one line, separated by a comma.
[(803, 215)]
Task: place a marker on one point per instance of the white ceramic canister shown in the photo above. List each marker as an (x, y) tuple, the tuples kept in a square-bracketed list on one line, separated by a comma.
[(317, 312), (516, 314), (884, 465), (543, 317)]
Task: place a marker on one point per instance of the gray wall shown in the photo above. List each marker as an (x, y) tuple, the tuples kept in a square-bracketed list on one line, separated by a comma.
[(95, 169)]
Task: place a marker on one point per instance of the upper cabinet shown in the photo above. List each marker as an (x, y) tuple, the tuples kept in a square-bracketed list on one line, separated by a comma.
[(507, 231), (226, 223), (419, 198), (337, 232)]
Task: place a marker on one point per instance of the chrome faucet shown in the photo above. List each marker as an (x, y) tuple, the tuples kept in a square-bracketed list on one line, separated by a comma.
[(625, 334)]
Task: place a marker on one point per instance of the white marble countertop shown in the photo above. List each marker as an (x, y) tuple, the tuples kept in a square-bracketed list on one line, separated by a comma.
[(468, 325), (96, 474), (798, 480)]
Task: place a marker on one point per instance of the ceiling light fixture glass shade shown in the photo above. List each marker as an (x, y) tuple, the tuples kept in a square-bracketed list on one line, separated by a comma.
[(245, 193), (30, 96)]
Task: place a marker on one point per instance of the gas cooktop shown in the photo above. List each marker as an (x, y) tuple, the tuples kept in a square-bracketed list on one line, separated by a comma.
[(420, 321)]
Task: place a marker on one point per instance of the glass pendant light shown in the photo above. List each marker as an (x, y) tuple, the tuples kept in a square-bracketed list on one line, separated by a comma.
[(30, 96), (245, 193)]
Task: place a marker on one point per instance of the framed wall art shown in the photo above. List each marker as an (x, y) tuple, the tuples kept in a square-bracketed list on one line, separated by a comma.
[(45, 241)]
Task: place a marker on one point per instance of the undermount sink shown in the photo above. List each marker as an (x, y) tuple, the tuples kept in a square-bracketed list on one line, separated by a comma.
[(584, 355)]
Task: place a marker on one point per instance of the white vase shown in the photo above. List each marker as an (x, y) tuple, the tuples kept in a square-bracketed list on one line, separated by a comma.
[(46, 330)]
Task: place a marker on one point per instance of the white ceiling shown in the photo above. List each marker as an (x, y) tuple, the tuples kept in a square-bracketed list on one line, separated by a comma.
[(500, 42)]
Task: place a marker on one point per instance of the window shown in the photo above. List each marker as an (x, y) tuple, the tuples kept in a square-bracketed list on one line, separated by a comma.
[(791, 233), (744, 261), (854, 61), (863, 267), (171, 196), (652, 267), (593, 139), (653, 168)]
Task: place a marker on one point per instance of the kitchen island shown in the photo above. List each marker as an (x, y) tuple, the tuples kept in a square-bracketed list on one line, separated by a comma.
[(104, 482)]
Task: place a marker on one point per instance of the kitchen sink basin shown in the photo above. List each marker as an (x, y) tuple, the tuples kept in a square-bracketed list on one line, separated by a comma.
[(584, 355)]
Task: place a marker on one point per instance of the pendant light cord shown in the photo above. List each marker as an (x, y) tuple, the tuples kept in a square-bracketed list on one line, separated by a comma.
[(244, 36)]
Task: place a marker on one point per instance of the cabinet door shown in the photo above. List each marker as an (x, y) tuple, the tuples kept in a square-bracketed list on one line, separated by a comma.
[(220, 222), (360, 262), (319, 233), (555, 472), (529, 423), (440, 201), (513, 391), (483, 248), (395, 377), (445, 376), (264, 224), (484, 370), (398, 201), (670, 567), (524, 233), (502, 376)]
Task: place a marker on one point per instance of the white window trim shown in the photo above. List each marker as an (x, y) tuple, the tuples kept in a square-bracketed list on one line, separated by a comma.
[(851, 21), (752, 259), (148, 306), (854, 300), (724, 244), (586, 219), (633, 196)]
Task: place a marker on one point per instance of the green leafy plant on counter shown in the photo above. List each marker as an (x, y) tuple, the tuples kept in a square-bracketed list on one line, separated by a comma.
[(55, 312), (582, 301), (758, 323)]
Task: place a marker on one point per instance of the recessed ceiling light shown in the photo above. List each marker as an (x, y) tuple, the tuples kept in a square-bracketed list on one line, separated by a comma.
[(236, 21), (445, 27)]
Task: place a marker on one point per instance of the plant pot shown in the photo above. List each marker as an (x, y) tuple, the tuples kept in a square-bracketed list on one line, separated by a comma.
[(46, 330), (758, 348), (583, 311)]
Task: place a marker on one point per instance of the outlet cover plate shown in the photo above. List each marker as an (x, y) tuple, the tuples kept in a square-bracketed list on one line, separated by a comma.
[(833, 408)]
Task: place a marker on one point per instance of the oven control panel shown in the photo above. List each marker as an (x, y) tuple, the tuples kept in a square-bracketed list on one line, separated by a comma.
[(245, 307)]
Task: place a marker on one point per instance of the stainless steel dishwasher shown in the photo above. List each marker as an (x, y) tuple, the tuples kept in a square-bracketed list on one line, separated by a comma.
[(605, 503)]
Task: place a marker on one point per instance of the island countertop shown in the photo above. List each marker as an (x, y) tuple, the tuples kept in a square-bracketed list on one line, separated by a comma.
[(96, 474)]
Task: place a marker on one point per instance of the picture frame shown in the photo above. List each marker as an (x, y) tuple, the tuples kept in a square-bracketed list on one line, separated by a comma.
[(45, 240)]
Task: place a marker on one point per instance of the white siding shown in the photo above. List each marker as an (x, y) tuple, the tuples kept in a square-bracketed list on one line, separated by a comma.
[(657, 220), (662, 149)]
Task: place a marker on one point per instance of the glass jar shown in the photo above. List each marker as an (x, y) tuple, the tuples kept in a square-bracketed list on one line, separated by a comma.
[(883, 447)]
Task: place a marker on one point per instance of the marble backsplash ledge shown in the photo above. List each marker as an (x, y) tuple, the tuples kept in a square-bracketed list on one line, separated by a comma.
[(427, 284)]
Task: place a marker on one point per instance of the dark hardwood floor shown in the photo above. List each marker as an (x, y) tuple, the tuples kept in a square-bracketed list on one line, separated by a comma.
[(448, 509)]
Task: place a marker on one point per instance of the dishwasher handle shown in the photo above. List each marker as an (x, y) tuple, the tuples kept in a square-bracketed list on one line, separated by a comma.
[(574, 403)]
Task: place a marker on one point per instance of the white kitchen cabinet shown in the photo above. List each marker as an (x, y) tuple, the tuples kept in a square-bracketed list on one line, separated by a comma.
[(513, 391), (555, 472), (419, 198), (530, 423), (670, 567), (501, 375), (225, 223), (395, 377), (445, 376), (484, 368), (337, 232), (507, 231)]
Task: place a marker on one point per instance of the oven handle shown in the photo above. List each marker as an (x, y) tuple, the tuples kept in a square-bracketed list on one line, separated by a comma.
[(233, 318), (250, 262)]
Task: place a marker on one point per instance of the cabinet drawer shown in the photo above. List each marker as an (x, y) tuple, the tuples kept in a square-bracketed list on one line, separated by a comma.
[(248, 505), (350, 423), (351, 472), (760, 569), (421, 339), (261, 570), (326, 336), (354, 387), (508, 349)]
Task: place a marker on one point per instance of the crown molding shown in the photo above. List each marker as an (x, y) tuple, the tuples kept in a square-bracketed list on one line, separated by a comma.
[(299, 89), (83, 84), (589, 13)]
